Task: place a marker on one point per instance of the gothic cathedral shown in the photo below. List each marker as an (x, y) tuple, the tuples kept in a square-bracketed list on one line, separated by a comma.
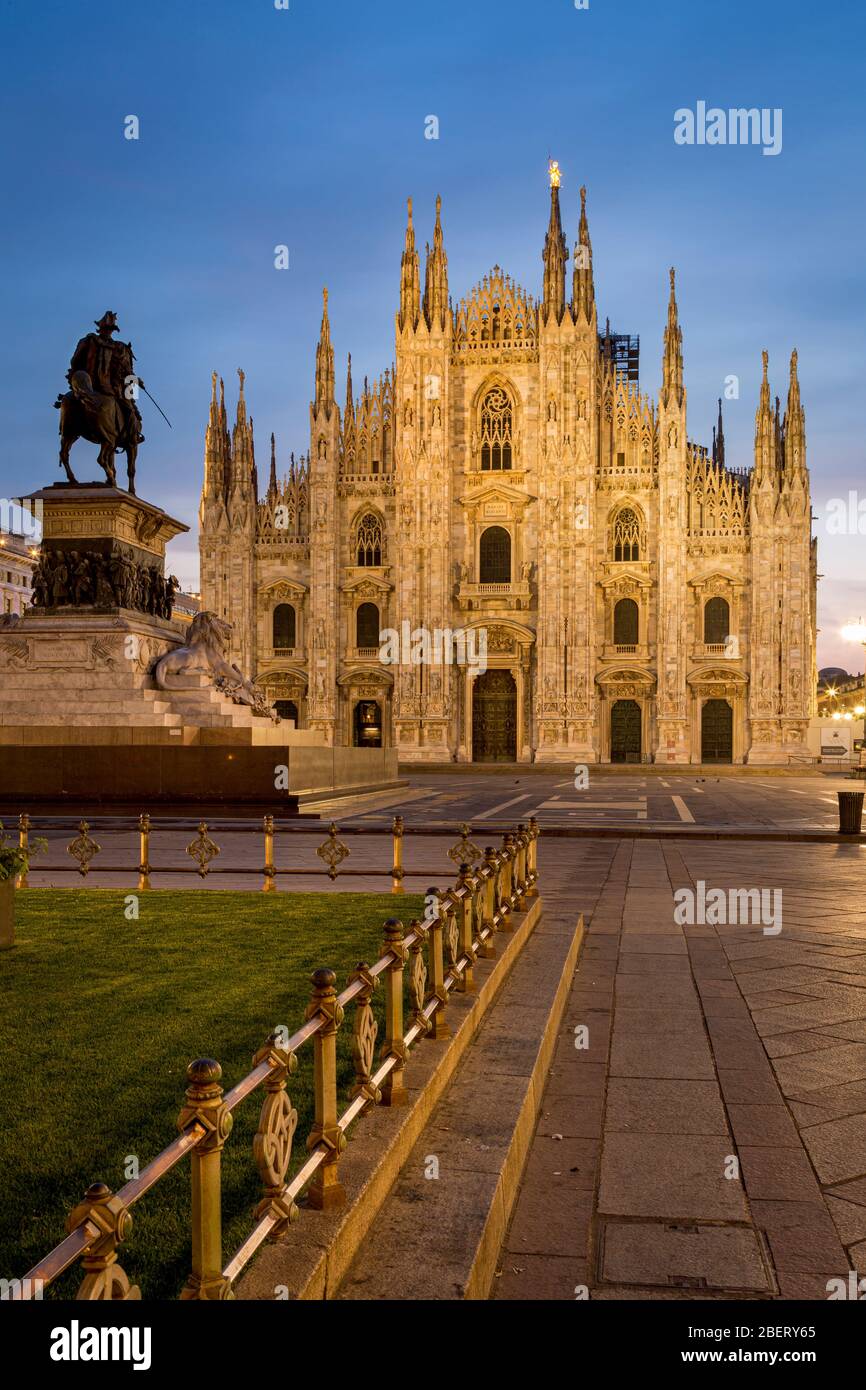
[(641, 600)]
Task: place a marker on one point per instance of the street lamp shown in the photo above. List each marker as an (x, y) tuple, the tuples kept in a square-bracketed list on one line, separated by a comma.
[(856, 632)]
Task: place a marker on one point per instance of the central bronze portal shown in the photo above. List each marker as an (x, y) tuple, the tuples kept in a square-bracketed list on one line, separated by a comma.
[(494, 718), (625, 732)]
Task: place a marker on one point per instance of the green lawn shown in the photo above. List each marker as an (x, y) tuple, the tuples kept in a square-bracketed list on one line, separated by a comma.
[(101, 1016)]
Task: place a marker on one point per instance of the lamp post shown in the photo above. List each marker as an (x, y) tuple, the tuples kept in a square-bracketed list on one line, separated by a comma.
[(856, 632)]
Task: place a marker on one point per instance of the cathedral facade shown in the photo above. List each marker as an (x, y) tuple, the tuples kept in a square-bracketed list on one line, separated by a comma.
[(640, 599)]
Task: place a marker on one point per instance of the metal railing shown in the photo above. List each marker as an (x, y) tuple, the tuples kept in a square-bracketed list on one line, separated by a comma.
[(83, 851), (459, 927)]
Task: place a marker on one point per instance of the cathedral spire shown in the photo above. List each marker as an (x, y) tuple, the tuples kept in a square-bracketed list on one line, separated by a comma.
[(215, 452), (766, 445), (794, 428), (324, 362), (436, 276), (672, 363), (272, 481), (719, 440), (583, 289), (555, 253), (350, 402), (410, 279)]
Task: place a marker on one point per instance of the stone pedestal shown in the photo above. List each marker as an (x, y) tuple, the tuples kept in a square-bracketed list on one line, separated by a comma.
[(102, 550)]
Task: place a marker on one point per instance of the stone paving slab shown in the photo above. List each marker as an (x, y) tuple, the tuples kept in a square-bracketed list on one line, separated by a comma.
[(727, 1123)]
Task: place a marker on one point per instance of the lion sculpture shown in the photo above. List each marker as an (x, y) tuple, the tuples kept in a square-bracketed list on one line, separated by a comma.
[(205, 654)]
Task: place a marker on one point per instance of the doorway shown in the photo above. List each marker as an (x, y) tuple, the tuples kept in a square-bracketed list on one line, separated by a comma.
[(625, 732), (494, 718), (717, 732)]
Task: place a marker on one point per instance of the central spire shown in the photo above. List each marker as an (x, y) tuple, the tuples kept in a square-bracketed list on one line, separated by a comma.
[(555, 253), (672, 363)]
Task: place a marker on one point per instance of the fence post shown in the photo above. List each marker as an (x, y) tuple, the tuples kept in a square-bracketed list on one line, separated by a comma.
[(393, 1087), (397, 871), (24, 845), (204, 1104), (508, 872), (481, 900), (491, 863), (436, 968), (143, 851), (521, 840), (326, 1191), (532, 891), (270, 873), (467, 979)]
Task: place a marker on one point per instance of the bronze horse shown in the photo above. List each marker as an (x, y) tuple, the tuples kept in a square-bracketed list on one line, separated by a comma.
[(86, 414)]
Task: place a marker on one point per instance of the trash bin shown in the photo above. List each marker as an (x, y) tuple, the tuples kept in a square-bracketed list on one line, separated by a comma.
[(850, 812)]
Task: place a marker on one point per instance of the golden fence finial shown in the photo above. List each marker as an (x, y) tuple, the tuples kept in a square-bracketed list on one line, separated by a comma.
[(333, 851), (202, 849), (83, 848), (464, 852)]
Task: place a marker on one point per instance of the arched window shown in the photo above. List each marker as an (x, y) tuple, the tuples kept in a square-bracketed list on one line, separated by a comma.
[(625, 623), (626, 535), (369, 540), (717, 621), (496, 430), (367, 626), (494, 559), (284, 625)]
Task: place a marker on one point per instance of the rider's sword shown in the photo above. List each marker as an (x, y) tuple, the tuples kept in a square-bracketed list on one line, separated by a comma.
[(159, 407)]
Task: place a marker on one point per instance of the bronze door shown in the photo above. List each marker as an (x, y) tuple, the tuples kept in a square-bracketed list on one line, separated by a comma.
[(494, 718), (717, 732), (625, 732)]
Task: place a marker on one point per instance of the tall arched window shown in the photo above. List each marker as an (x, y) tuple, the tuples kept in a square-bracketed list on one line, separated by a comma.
[(626, 535), (717, 621), (368, 540), (625, 623), (497, 419), (284, 625), (367, 626), (494, 558)]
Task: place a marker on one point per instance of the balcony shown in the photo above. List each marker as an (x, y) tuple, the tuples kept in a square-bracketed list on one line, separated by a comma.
[(514, 596)]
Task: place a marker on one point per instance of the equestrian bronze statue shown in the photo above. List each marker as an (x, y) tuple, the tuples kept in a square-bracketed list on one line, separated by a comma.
[(100, 405)]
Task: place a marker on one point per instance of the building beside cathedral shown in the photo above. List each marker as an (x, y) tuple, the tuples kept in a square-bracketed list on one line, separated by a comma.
[(643, 601)]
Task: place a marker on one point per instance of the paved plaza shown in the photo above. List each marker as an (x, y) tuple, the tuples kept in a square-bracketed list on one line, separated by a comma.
[(709, 1141), (703, 1128)]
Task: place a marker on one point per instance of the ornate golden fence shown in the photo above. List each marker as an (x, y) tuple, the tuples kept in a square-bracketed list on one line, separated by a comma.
[(204, 851), (459, 926)]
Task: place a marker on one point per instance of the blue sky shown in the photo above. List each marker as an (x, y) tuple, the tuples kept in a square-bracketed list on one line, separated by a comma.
[(305, 127)]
